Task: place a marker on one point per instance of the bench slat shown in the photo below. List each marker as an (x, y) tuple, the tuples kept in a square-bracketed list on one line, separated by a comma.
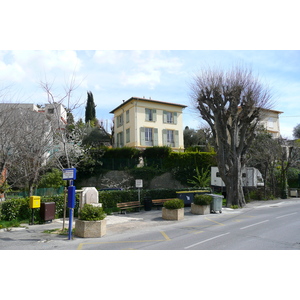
[(127, 205)]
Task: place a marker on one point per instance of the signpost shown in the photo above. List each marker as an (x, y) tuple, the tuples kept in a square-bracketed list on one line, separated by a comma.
[(70, 174), (139, 185)]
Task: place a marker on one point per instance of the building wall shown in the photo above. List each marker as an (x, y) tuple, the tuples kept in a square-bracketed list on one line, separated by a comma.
[(131, 119), (270, 121)]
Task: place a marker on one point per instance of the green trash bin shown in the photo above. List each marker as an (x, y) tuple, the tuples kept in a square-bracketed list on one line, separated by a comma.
[(216, 204)]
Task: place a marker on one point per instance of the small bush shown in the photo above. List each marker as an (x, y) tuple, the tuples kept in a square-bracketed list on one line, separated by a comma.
[(203, 199), (91, 213), (174, 204), (15, 209)]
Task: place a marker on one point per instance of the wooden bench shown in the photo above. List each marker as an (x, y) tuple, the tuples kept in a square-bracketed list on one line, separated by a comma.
[(160, 202), (127, 205)]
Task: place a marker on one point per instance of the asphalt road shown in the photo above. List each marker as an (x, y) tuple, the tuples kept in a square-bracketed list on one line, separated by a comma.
[(265, 225), (270, 227)]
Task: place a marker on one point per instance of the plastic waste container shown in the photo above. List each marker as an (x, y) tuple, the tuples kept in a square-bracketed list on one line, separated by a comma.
[(188, 196), (147, 203), (217, 203)]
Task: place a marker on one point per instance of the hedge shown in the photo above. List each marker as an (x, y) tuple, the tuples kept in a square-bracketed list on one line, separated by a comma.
[(183, 159), (109, 199), (18, 209)]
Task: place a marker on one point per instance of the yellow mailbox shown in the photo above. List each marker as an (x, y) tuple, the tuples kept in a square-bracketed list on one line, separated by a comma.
[(35, 201)]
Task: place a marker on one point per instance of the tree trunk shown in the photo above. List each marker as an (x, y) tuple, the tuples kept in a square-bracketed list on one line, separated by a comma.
[(234, 186)]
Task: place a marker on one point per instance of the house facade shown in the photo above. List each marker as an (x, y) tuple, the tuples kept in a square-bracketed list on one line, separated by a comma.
[(142, 123), (269, 119)]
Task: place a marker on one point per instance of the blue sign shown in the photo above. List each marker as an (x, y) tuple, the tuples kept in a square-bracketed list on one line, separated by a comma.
[(69, 174)]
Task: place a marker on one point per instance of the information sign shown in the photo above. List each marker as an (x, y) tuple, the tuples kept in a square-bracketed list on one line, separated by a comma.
[(139, 183), (69, 174)]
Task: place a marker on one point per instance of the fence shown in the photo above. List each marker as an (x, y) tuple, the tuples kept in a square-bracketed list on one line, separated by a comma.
[(36, 192)]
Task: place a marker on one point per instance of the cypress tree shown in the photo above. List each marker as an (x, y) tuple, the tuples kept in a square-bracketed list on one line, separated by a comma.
[(90, 111)]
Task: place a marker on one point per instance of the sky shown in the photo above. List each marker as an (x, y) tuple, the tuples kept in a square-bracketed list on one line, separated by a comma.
[(165, 75), (118, 50)]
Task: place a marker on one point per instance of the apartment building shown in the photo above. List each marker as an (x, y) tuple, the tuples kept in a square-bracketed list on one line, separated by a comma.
[(142, 123), (269, 119)]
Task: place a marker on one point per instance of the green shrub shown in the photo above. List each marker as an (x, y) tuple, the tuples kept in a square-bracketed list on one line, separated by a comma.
[(154, 156), (15, 209), (174, 204), (18, 209), (203, 199), (91, 213)]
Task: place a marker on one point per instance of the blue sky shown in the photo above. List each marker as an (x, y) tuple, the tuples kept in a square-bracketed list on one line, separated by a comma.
[(116, 75), (147, 49)]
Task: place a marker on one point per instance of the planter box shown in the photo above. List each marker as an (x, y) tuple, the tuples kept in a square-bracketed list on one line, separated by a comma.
[(200, 209), (90, 229), (172, 214)]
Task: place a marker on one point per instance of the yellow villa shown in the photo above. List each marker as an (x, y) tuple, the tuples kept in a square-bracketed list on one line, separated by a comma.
[(142, 123)]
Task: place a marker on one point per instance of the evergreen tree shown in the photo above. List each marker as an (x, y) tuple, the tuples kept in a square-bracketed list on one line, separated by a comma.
[(90, 111)]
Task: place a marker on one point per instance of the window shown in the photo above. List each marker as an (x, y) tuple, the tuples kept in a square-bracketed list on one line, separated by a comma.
[(50, 110), (128, 135), (150, 114), (170, 117), (127, 116), (271, 122), (120, 120), (120, 139), (149, 136), (170, 138)]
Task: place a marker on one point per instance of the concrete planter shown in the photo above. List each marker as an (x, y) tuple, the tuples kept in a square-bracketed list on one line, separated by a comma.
[(90, 229), (200, 209), (172, 214)]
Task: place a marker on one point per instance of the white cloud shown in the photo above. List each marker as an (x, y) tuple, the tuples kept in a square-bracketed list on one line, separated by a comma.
[(107, 57), (148, 67), (11, 72), (151, 79), (37, 64)]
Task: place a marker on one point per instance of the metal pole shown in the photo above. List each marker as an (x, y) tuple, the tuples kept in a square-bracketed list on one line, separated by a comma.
[(32, 216), (71, 204), (65, 208), (70, 223)]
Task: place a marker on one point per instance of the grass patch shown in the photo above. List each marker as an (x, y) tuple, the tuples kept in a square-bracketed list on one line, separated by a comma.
[(8, 224), (58, 231)]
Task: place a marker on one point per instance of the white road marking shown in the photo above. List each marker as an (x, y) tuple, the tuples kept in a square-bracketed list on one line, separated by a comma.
[(206, 240), (255, 224), (286, 215)]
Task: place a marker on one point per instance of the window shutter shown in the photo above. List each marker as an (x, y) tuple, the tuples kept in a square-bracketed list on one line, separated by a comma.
[(155, 137), (175, 117), (147, 114), (164, 132), (142, 131), (165, 117), (154, 115), (176, 138)]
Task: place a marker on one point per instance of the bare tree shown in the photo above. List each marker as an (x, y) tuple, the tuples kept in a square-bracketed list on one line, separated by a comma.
[(67, 140), (25, 143), (8, 130), (33, 147), (230, 102), (264, 154)]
